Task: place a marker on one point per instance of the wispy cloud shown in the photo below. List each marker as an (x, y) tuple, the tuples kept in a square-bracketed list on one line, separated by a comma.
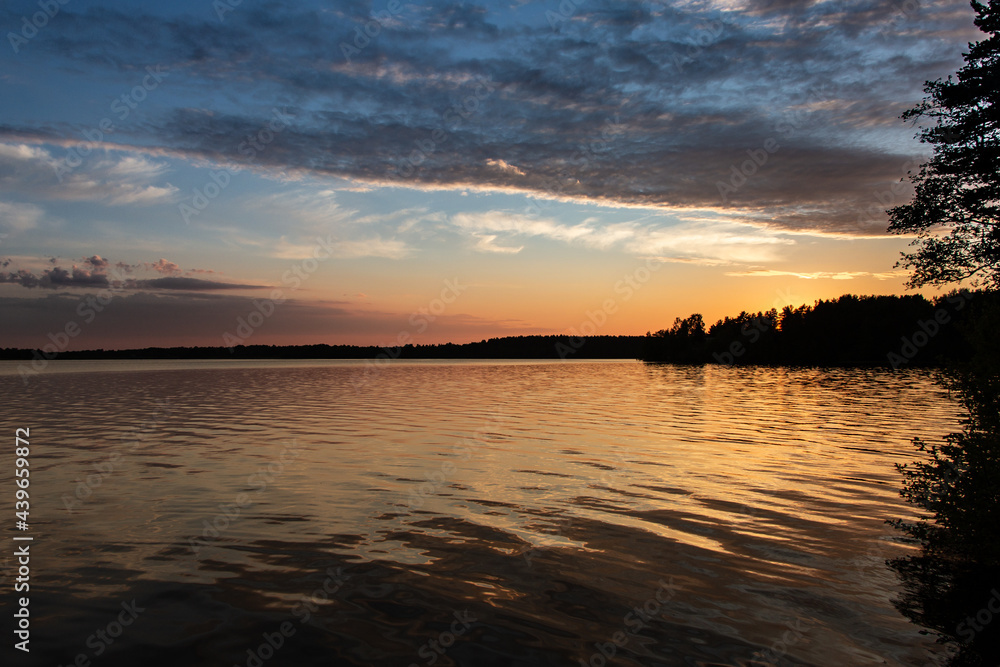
[(709, 241), (487, 243), (116, 179), (16, 217), (816, 275)]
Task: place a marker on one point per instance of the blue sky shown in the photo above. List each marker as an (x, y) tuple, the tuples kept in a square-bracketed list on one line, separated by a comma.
[(190, 155)]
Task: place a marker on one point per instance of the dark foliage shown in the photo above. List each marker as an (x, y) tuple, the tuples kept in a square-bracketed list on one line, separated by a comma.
[(953, 585), (895, 331), (959, 188)]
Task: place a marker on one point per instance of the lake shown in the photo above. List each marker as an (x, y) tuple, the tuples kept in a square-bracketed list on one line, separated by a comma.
[(465, 513)]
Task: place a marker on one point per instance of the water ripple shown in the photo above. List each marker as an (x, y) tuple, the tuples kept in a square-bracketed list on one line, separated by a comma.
[(549, 501)]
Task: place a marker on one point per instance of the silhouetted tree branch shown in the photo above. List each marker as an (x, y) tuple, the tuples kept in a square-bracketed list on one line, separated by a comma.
[(958, 190)]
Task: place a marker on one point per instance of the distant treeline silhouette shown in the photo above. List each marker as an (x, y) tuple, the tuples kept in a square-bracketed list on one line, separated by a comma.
[(895, 331), (510, 347)]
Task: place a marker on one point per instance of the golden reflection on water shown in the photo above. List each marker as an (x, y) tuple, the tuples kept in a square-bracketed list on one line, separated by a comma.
[(530, 490)]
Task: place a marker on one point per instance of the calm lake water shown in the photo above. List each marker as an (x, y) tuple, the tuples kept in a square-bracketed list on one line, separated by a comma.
[(465, 513)]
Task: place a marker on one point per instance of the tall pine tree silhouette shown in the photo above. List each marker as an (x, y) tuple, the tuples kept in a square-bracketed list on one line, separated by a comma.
[(959, 188)]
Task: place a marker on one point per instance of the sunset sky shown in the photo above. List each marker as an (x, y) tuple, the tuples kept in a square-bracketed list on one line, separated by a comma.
[(539, 156)]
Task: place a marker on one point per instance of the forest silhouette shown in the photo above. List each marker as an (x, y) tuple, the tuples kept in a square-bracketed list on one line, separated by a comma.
[(887, 331), (952, 585), (895, 331)]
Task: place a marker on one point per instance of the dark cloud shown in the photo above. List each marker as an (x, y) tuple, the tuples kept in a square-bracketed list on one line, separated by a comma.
[(623, 102), (97, 276), (188, 284), (55, 278)]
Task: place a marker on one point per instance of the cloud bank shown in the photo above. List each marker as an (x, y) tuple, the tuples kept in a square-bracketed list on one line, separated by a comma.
[(785, 110)]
